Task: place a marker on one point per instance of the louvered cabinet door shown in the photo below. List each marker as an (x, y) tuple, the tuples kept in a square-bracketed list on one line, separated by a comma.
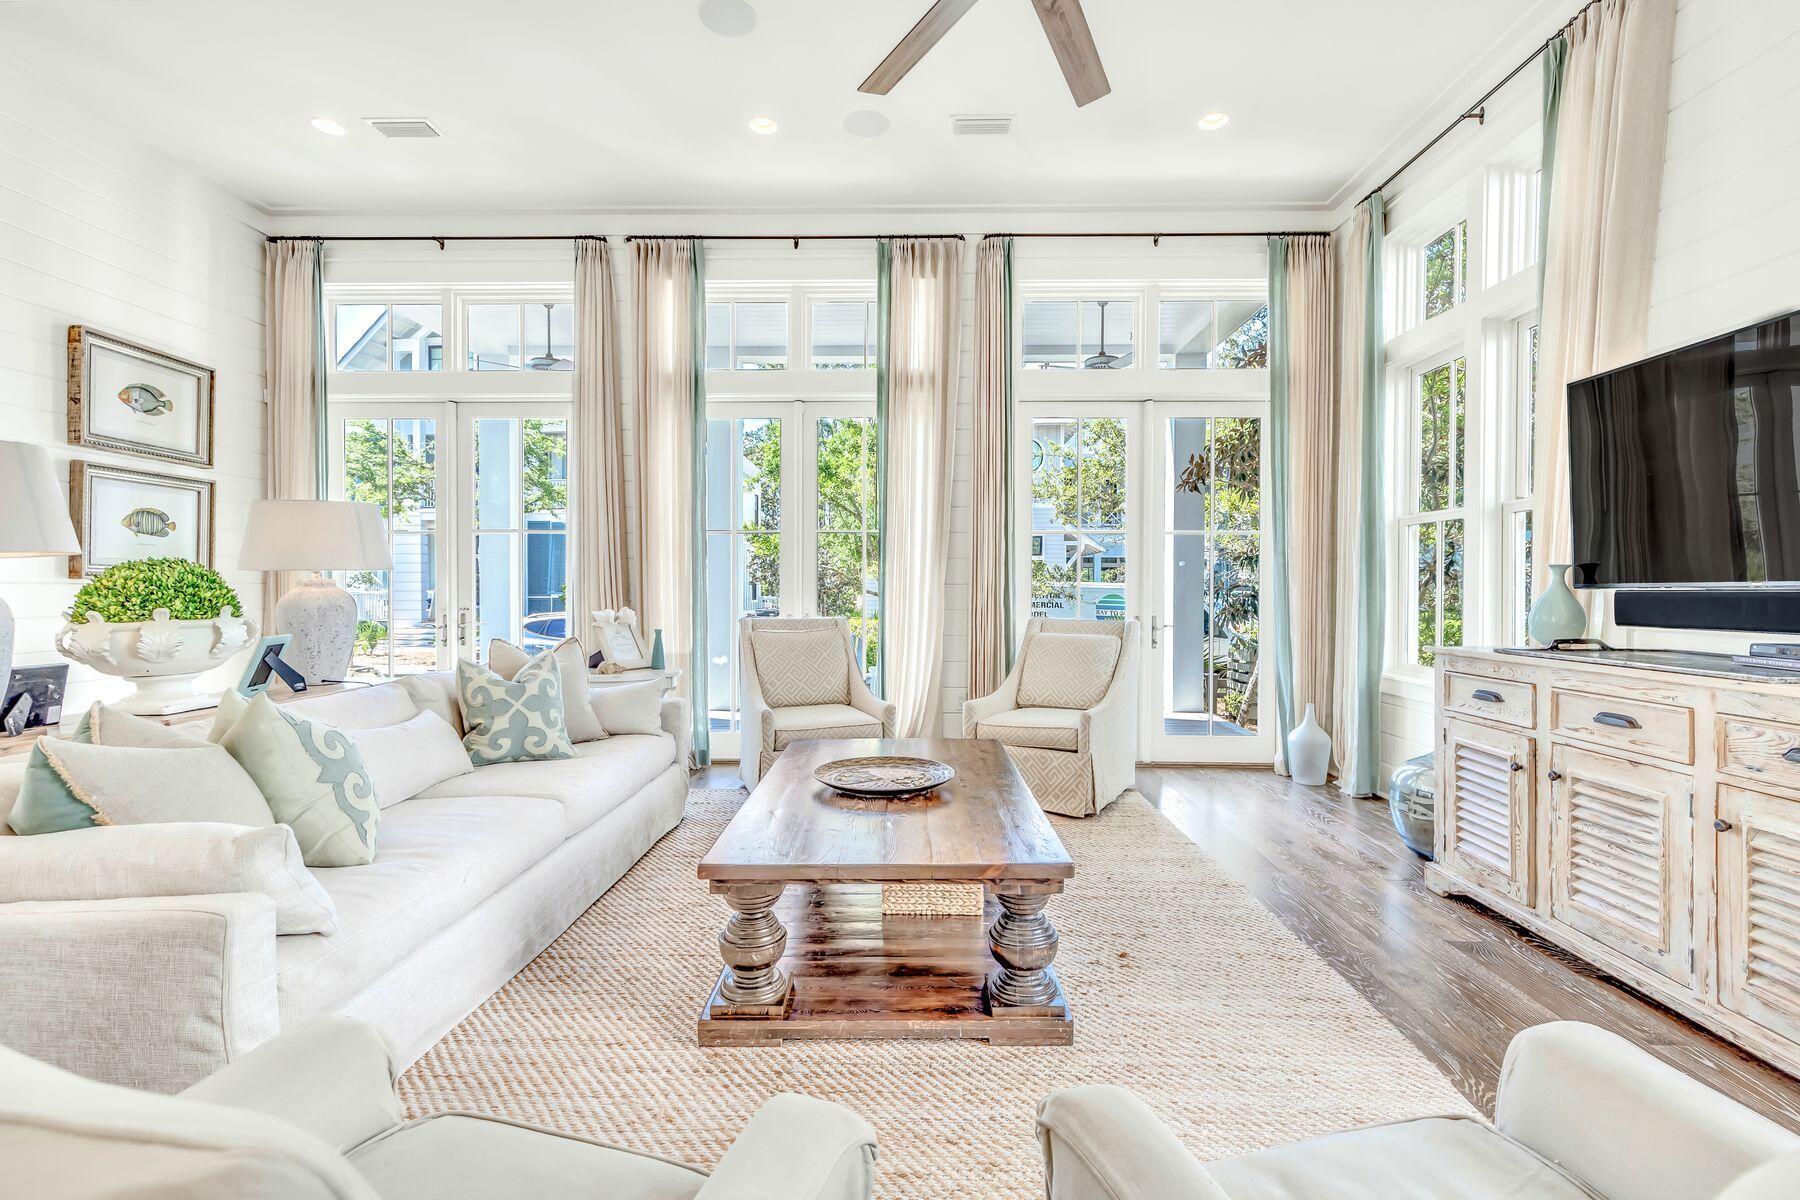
[(1486, 808), (1621, 856), (1759, 908)]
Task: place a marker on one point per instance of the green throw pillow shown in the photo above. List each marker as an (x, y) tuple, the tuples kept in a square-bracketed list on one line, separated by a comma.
[(76, 785), (516, 720), (46, 803), (314, 779)]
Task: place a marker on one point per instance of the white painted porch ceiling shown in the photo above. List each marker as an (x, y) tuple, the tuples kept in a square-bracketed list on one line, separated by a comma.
[(565, 104)]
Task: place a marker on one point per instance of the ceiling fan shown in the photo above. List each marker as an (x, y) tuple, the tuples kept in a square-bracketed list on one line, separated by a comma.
[(1064, 24), (548, 360)]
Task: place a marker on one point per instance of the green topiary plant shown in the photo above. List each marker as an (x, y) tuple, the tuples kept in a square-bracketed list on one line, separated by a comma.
[(133, 591)]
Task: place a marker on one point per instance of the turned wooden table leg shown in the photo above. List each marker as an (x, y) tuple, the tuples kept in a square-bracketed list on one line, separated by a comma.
[(1023, 942), (751, 944)]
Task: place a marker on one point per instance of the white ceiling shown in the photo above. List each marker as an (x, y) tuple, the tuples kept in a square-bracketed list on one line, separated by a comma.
[(614, 104)]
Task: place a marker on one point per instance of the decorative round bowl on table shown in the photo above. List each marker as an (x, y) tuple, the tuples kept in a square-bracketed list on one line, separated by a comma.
[(884, 776)]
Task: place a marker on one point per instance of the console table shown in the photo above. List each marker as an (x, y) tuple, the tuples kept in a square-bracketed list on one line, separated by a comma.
[(1645, 819)]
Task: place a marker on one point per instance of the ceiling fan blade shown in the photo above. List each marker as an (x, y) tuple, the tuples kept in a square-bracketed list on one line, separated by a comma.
[(1067, 28), (920, 38)]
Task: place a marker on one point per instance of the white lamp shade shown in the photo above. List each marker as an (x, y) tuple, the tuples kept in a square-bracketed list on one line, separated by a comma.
[(34, 516), (314, 535)]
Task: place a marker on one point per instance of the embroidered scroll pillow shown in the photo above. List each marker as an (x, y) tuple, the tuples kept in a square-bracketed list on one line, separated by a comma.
[(507, 660), (313, 777), (76, 785), (516, 720)]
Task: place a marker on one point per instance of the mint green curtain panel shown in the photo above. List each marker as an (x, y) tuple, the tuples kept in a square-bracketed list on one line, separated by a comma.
[(701, 661), (1278, 491), (991, 534), (883, 306), (1556, 57)]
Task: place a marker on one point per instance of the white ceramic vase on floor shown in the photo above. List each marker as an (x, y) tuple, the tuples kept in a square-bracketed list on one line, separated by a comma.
[(1308, 751)]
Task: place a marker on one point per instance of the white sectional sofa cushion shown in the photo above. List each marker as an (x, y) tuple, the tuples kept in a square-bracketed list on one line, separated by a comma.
[(470, 881), (405, 759)]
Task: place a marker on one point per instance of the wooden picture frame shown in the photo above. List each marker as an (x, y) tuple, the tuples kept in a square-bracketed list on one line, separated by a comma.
[(135, 399), (620, 640), (102, 497)]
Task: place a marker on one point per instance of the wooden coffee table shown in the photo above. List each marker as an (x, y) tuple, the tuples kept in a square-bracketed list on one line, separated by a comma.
[(851, 971)]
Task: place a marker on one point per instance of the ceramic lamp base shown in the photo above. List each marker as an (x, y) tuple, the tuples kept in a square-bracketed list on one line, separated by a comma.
[(321, 618)]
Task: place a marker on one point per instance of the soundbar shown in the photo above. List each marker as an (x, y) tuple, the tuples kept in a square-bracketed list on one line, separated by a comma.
[(1744, 610)]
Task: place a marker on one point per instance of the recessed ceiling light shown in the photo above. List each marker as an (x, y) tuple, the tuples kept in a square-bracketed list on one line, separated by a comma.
[(327, 125), (866, 123), (762, 125), (1214, 120), (728, 18)]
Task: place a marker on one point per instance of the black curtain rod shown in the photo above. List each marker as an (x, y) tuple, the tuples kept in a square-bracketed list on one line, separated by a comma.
[(1477, 111), (440, 239), (1158, 237)]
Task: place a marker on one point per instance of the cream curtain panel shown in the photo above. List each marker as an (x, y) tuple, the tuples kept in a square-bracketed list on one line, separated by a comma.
[(1357, 650), (294, 382), (990, 625), (1600, 228), (668, 444), (601, 571), (1303, 407), (920, 370)]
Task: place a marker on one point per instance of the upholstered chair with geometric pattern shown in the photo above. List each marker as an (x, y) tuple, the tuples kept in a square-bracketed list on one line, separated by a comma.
[(1067, 714), (801, 680)]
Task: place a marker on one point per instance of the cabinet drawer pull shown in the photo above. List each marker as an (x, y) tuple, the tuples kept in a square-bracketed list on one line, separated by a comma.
[(1555, 775), (1721, 824), (1488, 695), (1616, 720), (1793, 755), (1517, 766)]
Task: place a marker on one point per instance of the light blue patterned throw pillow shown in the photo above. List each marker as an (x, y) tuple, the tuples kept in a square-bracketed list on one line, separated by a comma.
[(313, 777), (516, 720)]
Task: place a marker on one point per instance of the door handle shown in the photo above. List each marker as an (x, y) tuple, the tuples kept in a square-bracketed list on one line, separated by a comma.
[(1616, 720), (1156, 632), (462, 628), (1487, 695)]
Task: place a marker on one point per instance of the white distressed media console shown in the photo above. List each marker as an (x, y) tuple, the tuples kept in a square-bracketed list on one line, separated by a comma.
[(1644, 817)]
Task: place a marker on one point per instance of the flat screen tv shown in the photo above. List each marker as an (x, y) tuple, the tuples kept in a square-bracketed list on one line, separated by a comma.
[(1685, 468)]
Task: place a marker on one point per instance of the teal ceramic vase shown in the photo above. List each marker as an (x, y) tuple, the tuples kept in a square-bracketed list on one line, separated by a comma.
[(1557, 616), (657, 659)]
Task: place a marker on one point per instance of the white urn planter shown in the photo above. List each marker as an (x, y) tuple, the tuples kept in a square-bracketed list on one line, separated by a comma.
[(160, 656)]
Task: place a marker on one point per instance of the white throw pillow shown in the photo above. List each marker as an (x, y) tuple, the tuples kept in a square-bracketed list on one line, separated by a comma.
[(312, 776), (133, 785), (629, 708), (796, 667), (177, 859), (507, 660), (435, 691), (405, 759), (1067, 670)]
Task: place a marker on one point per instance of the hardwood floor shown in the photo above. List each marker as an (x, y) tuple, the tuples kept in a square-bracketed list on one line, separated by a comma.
[(1457, 981)]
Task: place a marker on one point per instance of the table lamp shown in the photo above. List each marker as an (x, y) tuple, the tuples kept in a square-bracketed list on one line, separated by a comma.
[(316, 536), (34, 523)]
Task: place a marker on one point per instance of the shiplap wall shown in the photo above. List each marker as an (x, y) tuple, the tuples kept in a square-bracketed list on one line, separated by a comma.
[(1728, 234), (95, 232)]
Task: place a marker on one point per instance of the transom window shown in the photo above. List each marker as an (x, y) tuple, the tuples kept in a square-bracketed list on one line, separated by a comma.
[(1068, 335), (528, 336), (388, 337), (1447, 270), (746, 335), (1217, 335), (843, 335)]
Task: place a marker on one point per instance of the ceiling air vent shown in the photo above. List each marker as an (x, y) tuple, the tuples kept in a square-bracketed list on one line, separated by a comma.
[(403, 127), (981, 125)]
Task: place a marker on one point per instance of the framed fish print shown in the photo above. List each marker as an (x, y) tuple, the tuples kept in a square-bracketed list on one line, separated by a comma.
[(136, 400), (122, 515)]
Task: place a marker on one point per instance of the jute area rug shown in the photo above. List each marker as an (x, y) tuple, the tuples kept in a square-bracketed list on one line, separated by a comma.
[(1186, 990)]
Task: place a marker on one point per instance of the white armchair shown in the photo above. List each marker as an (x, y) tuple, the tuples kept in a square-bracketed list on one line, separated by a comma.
[(1067, 714), (312, 1115), (1581, 1114), (801, 680)]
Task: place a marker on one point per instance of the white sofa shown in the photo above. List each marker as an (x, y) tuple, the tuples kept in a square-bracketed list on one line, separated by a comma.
[(471, 880), (1580, 1114)]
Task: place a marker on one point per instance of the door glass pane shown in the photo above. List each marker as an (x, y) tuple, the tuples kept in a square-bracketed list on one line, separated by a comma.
[(521, 547), (494, 337), (392, 464), (362, 337), (1078, 510), (1424, 541), (418, 337), (743, 546), (848, 574), (1210, 606)]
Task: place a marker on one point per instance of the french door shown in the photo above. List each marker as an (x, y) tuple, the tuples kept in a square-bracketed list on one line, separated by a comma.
[(1152, 510), (790, 531), (475, 499)]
